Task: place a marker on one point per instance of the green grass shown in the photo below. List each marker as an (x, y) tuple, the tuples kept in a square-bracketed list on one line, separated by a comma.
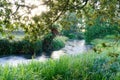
[(62, 69), (89, 66)]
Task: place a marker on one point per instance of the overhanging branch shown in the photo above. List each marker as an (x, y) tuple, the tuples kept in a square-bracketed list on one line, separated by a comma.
[(20, 5), (73, 7), (62, 12), (77, 7)]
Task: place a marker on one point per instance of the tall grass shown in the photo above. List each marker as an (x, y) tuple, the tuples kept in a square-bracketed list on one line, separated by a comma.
[(87, 66)]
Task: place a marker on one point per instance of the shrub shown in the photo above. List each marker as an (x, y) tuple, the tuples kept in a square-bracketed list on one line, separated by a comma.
[(100, 30), (20, 47), (104, 69), (59, 42), (27, 47), (5, 47), (73, 34)]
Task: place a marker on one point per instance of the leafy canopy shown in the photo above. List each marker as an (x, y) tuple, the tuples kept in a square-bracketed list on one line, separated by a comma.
[(40, 25)]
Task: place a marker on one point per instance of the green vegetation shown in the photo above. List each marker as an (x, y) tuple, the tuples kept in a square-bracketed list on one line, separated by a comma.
[(67, 14), (88, 66), (72, 29), (100, 30), (59, 42), (97, 21), (8, 47)]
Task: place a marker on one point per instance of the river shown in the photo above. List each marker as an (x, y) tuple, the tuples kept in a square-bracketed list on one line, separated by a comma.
[(72, 47)]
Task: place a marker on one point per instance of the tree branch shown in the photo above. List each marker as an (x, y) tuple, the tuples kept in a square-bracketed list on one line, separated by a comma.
[(20, 5), (77, 7), (65, 8), (16, 10), (46, 2), (62, 12)]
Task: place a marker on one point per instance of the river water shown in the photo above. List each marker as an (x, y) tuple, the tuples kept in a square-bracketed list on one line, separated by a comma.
[(72, 47)]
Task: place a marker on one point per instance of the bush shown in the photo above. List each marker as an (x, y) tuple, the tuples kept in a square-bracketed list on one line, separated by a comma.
[(5, 47), (73, 34), (27, 47), (19, 47), (59, 42), (105, 69), (100, 30)]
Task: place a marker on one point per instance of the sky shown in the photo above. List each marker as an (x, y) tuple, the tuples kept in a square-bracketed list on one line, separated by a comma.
[(36, 11), (40, 9)]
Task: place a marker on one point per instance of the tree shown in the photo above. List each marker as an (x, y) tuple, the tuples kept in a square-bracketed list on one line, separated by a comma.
[(11, 17), (41, 25), (101, 18), (46, 21)]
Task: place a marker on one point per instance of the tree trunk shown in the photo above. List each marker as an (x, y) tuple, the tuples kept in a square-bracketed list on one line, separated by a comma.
[(47, 42)]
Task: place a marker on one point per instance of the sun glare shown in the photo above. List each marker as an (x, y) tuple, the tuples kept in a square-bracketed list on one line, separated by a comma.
[(37, 11)]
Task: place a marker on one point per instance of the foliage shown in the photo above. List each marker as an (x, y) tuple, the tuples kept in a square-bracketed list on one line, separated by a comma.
[(107, 11), (10, 17), (20, 47), (84, 66), (109, 44), (25, 46), (100, 30), (40, 25), (104, 69), (72, 28), (5, 47), (59, 42), (101, 17), (73, 35)]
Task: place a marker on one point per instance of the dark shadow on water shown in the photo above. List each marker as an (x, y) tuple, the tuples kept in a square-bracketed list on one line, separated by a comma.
[(26, 56)]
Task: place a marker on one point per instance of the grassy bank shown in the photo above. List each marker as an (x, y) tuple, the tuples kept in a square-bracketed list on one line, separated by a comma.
[(89, 66), (65, 68)]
